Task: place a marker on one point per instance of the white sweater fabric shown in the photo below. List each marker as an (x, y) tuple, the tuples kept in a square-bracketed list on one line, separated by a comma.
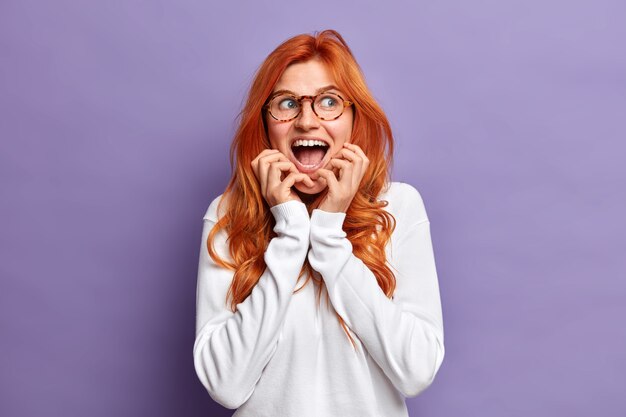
[(280, 354)]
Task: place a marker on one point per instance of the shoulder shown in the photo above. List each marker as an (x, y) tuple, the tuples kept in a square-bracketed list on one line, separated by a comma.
[(214, 211), (405, 203)]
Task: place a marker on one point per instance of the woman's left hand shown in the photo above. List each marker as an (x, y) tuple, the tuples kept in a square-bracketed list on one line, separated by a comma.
[(342, 190)]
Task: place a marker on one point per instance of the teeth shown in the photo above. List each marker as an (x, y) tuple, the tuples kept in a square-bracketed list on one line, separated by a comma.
[(304, 142)]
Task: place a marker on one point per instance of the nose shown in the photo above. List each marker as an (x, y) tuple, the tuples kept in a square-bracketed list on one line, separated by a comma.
[(307, 119)]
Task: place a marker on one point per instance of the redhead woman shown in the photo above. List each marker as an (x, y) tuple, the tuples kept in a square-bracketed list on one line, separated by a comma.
[(317, 289)]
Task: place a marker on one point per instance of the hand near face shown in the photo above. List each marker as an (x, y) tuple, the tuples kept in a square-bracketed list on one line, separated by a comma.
[(352, 164), (268, 168)]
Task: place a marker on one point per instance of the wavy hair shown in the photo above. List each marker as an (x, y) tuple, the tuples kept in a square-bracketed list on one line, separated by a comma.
[(249, 223)]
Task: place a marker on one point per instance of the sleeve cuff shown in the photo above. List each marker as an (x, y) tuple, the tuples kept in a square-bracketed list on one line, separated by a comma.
[(290, 211), (327, 219)]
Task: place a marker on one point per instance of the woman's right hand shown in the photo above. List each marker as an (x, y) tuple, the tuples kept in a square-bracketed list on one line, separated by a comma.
[(268, 167)]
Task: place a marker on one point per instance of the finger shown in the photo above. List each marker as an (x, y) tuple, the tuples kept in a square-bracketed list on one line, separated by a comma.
[(345, 168), (256, 168), (348, 154), (255, 161), (275, 171), (264, 166), (329, 177), (294, 177), (362, 163), (357, 149), (340, 163), (265, 160), (352, 157), (306, 180)]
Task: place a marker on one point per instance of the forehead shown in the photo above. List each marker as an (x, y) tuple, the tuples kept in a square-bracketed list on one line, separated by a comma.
[(305, 77)]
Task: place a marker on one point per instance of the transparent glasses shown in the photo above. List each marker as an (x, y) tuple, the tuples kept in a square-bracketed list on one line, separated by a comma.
[(326, 106)]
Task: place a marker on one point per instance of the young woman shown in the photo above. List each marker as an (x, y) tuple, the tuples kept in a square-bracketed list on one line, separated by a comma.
[(317, 288)]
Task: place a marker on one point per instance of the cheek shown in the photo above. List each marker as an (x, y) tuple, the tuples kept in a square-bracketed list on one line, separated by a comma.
[(346, 128), (343, 133), (277, 135), (349, 133)]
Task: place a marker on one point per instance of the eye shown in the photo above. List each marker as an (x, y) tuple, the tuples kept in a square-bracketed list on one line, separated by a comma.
[(287, 103), (329, 102)]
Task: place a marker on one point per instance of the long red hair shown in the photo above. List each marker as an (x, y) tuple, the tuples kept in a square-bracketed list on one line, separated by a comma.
[(249, 223)]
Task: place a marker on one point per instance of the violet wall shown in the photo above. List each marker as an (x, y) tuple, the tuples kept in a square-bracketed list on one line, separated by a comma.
[(115, 122)]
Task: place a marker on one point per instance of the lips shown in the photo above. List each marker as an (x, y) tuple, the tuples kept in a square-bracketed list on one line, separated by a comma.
[(309, 153)]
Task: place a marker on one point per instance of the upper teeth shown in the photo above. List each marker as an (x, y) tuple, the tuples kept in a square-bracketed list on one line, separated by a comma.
[(303, 142)]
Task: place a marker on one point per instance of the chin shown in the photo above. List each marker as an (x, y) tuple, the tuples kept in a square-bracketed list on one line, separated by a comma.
[(316, 189)]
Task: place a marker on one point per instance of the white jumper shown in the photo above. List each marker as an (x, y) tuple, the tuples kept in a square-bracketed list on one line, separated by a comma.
[(281, 355)]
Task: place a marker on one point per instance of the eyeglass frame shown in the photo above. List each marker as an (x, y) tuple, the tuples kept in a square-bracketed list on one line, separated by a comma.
[(299, 99)]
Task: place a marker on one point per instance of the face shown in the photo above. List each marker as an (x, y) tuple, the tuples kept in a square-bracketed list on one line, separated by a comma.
[(309, 78)]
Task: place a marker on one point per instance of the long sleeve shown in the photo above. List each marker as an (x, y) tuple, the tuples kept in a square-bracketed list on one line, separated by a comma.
[(231, 349), (404, 335)]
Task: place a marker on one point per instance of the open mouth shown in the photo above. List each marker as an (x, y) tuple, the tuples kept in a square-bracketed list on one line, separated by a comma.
[(309, 154)]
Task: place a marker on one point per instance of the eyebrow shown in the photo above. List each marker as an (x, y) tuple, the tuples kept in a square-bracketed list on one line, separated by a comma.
[(319, 90)]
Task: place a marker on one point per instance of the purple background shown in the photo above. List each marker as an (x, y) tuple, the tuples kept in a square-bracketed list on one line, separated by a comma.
[(115, 122)]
